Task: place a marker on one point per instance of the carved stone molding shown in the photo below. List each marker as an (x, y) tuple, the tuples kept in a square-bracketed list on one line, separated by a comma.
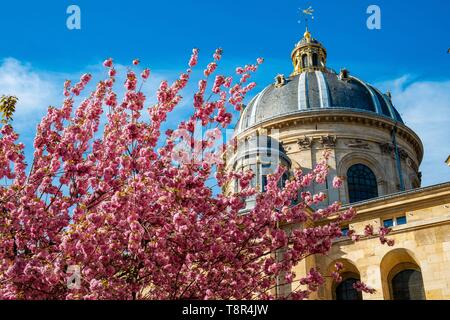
[(389, 148), (328, 141), (386, 148), (403, 154), (286, 147), (358, 144), (412, 164), (305, 143)]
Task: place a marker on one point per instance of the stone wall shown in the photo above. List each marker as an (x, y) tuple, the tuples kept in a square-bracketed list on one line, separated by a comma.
[(423, 243)]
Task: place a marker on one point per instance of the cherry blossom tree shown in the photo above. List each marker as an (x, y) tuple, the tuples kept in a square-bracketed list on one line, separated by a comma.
[(138, 216)]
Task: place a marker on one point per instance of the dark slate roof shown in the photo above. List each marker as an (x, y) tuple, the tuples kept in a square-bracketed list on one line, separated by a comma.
[(305, 41), (318, 90)]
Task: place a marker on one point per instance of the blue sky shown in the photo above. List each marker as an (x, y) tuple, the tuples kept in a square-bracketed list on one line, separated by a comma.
[(407, 56)]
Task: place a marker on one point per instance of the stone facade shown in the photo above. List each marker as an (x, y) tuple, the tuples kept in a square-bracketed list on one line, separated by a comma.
[(423, 243), (353, 137), (314, 110)]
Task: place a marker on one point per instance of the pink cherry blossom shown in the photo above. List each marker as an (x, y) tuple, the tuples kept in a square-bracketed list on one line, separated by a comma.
[(210, 69), (67, 84), (194, 58), (361, 287), (368, 230), (113, 193), (112, 72), (218, 54), (145, 74), (337, 182), (108, 63), (85, 78), (339, 266)]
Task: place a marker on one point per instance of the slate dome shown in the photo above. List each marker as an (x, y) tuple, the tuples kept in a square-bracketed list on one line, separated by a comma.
[(316, 90), (314, 87)]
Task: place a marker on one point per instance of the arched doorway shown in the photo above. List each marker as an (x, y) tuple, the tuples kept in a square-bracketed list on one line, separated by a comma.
[(401, 276), (345, 289), (362, 183), (407, 285)]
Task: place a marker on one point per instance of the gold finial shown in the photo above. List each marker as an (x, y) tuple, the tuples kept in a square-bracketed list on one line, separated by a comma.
[(307, 34)]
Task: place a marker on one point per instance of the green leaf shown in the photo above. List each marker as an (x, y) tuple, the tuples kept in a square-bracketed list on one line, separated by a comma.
[(7, 107)]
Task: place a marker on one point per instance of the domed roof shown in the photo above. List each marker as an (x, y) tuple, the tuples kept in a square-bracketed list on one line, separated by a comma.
[(315, 90), (314, 87)]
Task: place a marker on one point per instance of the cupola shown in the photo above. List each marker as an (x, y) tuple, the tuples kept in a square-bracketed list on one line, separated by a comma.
[(308, 55)]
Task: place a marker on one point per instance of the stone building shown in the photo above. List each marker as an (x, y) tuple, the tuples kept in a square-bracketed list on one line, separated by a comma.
[(377, 155)]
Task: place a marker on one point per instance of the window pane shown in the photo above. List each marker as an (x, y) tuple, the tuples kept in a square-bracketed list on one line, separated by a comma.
[(315, 60), (401, 220), (345, 231), (305, 61), (345, 290), (388, 223), (362, 183), (264, 183), (408, 285), (282, 181), (252, 167)]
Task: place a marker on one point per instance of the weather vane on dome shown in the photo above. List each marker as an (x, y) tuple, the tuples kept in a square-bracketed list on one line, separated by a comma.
[(307, 13)]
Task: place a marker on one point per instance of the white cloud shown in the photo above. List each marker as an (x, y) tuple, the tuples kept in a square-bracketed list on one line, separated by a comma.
[(37, 89), (34, 90), (425, 108)]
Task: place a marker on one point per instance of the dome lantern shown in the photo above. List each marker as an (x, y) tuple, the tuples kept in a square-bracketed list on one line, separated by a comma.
[(308, 55)]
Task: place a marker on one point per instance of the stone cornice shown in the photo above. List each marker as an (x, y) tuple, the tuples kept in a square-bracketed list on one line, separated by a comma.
[(401, 202), (344, 115), (394, 203), (418, 225)]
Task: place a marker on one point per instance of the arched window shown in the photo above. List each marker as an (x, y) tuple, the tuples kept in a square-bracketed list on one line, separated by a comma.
[(345, 290), (408, 285), (315, 59), (283, 180), (304, 61), (362, 183)]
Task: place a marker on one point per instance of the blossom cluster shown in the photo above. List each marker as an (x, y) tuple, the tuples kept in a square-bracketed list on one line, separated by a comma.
[(110, 199)]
